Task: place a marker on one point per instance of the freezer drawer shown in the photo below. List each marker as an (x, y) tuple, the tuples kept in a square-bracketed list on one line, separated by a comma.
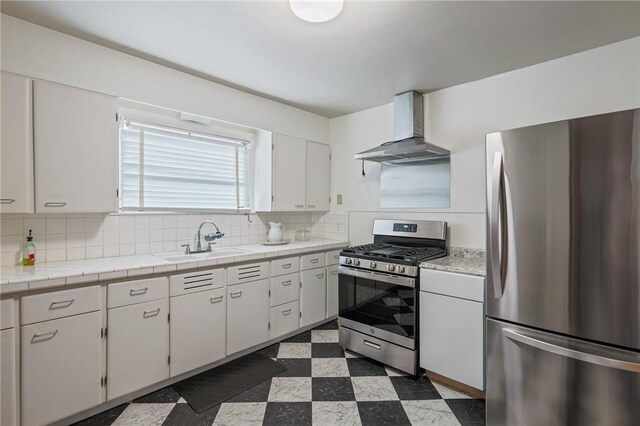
[(536, 378)]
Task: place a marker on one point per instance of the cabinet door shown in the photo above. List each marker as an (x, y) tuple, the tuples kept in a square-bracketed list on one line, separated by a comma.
[(8, 377), (289, 164), (75, 148), (197, 330), (284, 318), (16, 145), (332, 291), (61, 368), (247, 315), (318, 176), (137, 347), (452, 338), (313, 295)]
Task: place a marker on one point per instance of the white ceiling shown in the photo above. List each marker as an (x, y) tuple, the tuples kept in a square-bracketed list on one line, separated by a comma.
[(370, 52)]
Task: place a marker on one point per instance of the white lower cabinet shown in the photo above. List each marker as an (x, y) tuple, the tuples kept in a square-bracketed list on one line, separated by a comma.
[(452, 338), (61, 368), (284, 318), (8, 415), (247, 315), (332, 291), (137, 347), (197, 330), (313, 296)]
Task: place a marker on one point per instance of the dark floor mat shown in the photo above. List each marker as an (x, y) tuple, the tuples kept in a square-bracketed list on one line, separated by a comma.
[(208, 389)]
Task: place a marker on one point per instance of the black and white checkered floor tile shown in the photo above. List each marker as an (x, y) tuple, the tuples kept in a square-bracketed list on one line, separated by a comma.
[(323, 385)]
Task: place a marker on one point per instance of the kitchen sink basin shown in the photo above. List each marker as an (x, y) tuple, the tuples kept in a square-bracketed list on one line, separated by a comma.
[(222, 252)]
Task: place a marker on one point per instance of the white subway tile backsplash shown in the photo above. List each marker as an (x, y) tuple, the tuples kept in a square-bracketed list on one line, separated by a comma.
[(56, 225), (156, 222), (127, 249), (111, 237), (76, 224), (75, 253), (37, 225), (142, 222), (142, 235), (111, 251), (127, 236)]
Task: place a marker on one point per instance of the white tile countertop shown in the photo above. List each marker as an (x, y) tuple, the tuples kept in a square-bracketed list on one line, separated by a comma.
[(20, 279)]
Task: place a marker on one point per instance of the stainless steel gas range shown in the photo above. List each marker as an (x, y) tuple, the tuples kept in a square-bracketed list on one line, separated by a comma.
[(379, 287)]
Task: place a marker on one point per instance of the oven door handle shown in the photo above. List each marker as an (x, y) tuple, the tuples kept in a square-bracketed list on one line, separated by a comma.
[(376, 276)]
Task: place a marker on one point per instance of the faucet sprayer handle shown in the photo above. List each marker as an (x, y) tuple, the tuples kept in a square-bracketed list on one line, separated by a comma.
[(187, 250)]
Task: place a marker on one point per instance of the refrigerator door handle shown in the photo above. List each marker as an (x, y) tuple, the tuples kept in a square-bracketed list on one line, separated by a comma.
[(494, 226), (571, 353)]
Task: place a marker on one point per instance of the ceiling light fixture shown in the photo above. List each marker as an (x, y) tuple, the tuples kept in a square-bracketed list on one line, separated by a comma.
[(316, 10)]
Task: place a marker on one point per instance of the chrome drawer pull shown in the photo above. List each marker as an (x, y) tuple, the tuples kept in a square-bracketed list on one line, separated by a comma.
[(311, 206), (286, 283), (286, 266), (299, 206), (216, 299), (37, 337), (286, 312), (236, 295), (55, 204), (372, 345), (315, 260), (334, 272), (7, 200), (150, 314), (63, 304), (319, 275), (138, 292)]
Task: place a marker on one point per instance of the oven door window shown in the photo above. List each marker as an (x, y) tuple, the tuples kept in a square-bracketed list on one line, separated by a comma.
[(378, 304)]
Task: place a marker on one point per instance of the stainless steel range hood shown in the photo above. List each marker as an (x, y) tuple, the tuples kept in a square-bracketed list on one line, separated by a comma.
[(409, 133)]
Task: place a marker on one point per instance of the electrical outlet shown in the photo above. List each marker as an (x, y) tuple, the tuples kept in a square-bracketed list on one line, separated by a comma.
[(339, 199)]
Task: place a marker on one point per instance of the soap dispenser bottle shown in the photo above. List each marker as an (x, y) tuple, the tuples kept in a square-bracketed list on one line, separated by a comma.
[(29, 252)]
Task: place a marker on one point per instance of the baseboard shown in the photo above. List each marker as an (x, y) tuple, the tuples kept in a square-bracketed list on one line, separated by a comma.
[(461, 387)]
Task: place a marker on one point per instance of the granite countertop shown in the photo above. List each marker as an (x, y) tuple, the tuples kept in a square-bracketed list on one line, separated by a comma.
[(460, 260), (20, 279)]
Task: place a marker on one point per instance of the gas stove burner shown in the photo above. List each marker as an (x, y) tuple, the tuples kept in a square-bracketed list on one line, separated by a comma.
[(387, 251)]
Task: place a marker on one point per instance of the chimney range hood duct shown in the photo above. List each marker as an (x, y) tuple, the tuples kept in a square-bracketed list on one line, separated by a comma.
[(409, 133)]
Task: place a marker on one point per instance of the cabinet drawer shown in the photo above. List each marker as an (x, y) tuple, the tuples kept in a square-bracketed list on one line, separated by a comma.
[(451, 284), (310, 261), (7, 315), (285, 266), (284, 318), (332, 257), (285, 289), (196, 281), (59, 304), (251, 272), (130, 292)]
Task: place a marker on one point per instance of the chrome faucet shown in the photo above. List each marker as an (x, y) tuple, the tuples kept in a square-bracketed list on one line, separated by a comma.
[(208, 237)]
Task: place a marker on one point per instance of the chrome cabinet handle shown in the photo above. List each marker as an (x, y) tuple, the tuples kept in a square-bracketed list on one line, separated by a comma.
[(55, 204), (138, 292), (150, 314), (572, 353), (311, 206), (372, 345), (286, 266), (62, 304), (37, 337), (286, 283), (299, 206), (319, 275), (236, 295), (286, 312), (7, 200), (494, 224), (216, 299), (316, 260), (334, 272)]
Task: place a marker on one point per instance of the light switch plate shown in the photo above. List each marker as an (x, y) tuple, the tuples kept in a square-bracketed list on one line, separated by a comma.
[(339, 199)]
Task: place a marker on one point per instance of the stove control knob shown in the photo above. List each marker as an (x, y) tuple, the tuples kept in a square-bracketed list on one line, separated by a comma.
[(391, 268), (356, 262), (401, 269), (347, 261), (372, 265)]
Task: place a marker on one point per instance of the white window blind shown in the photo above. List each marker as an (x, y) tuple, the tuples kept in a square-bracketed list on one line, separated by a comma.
[(164, 168)]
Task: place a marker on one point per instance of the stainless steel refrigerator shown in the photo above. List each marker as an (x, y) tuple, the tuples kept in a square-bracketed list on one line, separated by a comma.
[(563, 273)]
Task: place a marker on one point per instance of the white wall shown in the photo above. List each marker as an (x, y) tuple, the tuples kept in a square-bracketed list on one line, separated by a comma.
[(50, 55), (595, 81)]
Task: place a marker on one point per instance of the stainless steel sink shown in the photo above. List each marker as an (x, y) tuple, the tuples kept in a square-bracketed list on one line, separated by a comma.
[(215, 253)]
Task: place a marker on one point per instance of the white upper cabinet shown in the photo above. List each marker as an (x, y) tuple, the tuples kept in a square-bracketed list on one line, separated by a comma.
[(75, 149), (317, 183), (292, 174), (16, 145)]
